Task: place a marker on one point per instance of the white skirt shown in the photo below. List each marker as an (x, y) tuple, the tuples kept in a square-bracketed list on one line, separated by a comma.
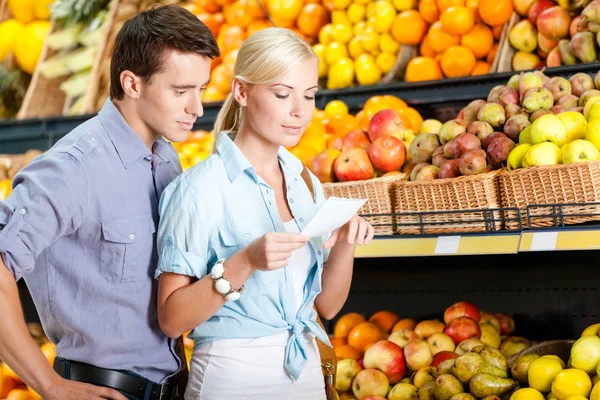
[(253, 369)]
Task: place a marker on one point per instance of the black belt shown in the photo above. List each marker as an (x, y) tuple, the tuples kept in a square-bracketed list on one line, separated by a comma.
[(132, 385)]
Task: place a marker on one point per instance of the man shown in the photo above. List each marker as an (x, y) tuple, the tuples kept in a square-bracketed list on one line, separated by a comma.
[(80, 223)]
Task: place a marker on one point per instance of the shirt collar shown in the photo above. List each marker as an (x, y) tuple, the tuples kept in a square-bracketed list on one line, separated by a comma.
[(235, 161), (128, 144)]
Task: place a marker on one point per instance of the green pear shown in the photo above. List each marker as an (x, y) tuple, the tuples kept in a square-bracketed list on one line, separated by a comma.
[(521, 366), (446, 386), (484, 385)]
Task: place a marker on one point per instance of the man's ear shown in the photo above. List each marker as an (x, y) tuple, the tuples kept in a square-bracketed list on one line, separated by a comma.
[(240, 92), (131, 84)]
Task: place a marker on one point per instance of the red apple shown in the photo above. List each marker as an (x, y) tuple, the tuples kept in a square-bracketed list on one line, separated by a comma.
[(361, 363), (353, 165), (554, 23), (554, 59), (387, 153), (574, 27), (463, 328), (370, 382), (462, 309), (537, 8), (507, 323), (387, 357), (443, 356), (356, 139), (428, 327), (417, 354), (385, 122), (402, 336), (322, 165)]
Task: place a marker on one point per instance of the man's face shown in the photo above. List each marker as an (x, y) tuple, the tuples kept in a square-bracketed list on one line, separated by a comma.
[(171, 102)]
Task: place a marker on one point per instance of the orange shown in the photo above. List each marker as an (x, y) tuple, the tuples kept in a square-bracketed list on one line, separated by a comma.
[(395, 103), (425, 49), (495, 12), (363, 335), (443, 4), (497, 31), (491, 56), (212, 94), (429, 10), (344, 325), (341, 124), (319, 115), (384, 319), (458, 61), (315, 127), (374, 105), (235, 14), (229, 60), (220, 78), (34, 395), (283, 23), (8, 372), (440, 40), (230, 38), (338, 341), (363, 120), (19, 394), (479, 39), (422, 69), (405, 117), (49, 351), (258, 25), (481, 68), (6, 385), (315, 142), (253, 9), (209, 6), (409, 27), (304, 154), (457, 20), (285, 10), (413, 116), (347, 351), (214, 21), (223, 3), (312, 18), (335, 107), (405, 323)]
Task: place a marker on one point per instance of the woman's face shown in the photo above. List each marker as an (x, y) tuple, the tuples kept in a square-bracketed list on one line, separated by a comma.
[(279, 112)]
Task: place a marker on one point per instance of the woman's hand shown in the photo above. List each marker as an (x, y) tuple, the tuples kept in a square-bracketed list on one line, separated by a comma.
[(272, 250), (356, 231)]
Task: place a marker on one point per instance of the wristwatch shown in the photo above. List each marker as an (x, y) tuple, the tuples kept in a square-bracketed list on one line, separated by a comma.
[(222, 285)]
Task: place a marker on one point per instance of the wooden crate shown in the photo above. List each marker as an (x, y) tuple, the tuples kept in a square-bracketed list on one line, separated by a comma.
[(506, 52), (44, 97)]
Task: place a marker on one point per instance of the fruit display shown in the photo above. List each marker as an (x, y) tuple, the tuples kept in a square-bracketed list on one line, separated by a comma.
[(195, 149), (11, 386), (552, 34), (11, 164), (456, 38)]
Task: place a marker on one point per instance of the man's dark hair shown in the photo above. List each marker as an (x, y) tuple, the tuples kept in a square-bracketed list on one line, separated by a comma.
[(142, 43)]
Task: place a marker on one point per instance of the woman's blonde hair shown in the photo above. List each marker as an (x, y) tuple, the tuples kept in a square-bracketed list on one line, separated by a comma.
[(263, 58)]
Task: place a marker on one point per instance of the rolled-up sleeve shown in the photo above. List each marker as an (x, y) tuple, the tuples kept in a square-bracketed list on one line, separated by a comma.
[(182, 232), (48, 201)]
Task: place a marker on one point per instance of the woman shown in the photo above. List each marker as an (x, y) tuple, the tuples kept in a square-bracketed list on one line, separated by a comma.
[(232, 264)]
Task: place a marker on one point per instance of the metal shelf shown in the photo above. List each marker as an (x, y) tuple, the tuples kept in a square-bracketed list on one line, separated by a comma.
[(440, 99)]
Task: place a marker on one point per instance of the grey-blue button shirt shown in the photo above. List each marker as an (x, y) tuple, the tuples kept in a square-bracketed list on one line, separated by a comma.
[(80, 228)]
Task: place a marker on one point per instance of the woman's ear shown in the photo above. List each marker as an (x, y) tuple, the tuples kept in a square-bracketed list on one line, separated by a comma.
[(240, 92)]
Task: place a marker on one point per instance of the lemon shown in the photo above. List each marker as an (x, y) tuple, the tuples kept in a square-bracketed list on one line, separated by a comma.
[(403, 5), (370, 40), (384, 16), (341, 4), (387, 44), (385, 62), (341, 74), (571, 382), (356, 12), (22, 10), (527, 394), (577, 398), (542, 372), (365, 58), (372, 9), (10, 30), (367, 73), (341, 33), (325, 34), (340, 17), (359, 28), (335, 51), (5, 189), (41, 9), (355, 48), (28, 46), (319, 50), (335, 107)]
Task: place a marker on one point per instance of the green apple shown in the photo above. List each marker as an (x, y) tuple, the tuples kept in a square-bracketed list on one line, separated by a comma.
[(515, 158), (575, 123), (594, 112), (544, 153), (589, 104), (585, 353), (592, 132), (548, 128), (430, 126), (403, 391), (580, 151), (525, 135), (347, 369)]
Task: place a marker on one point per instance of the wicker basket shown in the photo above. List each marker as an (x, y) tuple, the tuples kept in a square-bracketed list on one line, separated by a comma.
[(560, 348), (469, 193), (380, 194), (553, 184)]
